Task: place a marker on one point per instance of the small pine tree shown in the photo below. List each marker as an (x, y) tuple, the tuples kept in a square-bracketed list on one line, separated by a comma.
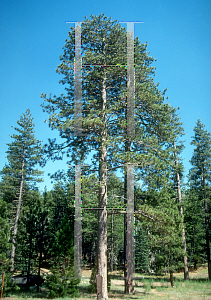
[(161, 217), (23, 154), (199, 187), (142, 249), (61, 282)]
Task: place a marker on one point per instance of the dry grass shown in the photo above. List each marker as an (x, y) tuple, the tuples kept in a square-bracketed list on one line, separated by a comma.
[(150, 287), (159, 287)]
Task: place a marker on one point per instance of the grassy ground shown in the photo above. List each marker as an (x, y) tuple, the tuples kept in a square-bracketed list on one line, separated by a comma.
[(150, 287), (154, 287)]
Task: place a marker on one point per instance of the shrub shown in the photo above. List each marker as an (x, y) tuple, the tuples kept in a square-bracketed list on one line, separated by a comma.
[(9, 286), (60, 286)]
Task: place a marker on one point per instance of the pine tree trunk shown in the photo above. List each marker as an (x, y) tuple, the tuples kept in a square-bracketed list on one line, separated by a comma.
[(195, 264), (63, 272), (127, 149), (130, 229), (194, 249), (39, 267), (102, 212), (41, 250), (130, 133), (172, 278), (112, 250), (30, 255), (207, 229), (125, 231), (17, 215), (186, 273), (207, 240), (91, 255)]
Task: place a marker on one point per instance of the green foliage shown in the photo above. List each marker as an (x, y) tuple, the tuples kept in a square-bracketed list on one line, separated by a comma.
[(24, 148), (198, 197), (9, 286), (162, 221), (195, 229), (115, 199), (89, 217), (46, 226), (20, 173), (60, 285), (104, 42), (4, 235), (62, 253), (27, 241), (142, 249), (93, 287), (201, 159)]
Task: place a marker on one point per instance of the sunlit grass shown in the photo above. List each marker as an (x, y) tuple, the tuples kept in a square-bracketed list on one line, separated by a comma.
[(159, 287), (149, 288)]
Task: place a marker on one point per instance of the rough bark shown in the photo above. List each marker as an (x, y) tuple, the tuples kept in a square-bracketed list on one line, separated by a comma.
[(112, 250), (207, 239), (206, 226), (127, 148), (130, 229), (39, 269), (102, 212), (40, 251), (194, 249), (125, 231), (186, 273), (17, 214), (130, 132), (30, 256), (172, 279)]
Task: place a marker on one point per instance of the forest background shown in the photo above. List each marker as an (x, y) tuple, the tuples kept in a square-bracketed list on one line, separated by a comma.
[(197, 196), (33, 34)]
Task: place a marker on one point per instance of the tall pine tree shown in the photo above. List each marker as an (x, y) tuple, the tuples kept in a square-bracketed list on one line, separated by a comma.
[(200, 183), (20, 172), (104, 110)]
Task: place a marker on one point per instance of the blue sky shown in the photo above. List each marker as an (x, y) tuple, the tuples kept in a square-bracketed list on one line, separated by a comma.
[(34, 32)]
